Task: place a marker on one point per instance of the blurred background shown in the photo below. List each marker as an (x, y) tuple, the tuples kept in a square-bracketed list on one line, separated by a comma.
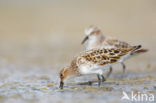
[(41, 36), (33, 28)]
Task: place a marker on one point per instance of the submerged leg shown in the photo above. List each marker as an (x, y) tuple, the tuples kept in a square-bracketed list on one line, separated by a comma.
[(103, 78), (110, 71), (99, 80), (90, 82)]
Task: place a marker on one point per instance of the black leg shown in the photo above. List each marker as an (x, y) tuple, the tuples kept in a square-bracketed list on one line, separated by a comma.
[(110, 71), (103, 78), (124, 67), (99, 80), (90, 82)]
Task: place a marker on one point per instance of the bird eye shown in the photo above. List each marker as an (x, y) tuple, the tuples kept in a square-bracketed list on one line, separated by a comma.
[(61, 75)]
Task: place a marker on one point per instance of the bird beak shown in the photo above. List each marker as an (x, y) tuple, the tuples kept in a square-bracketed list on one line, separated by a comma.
[(61, 85), (86, 38)]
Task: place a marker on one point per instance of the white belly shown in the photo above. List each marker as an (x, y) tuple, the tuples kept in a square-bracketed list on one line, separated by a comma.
[(92, 69), (122, 59)]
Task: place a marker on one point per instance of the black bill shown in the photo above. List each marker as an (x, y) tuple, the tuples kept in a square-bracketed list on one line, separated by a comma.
[(61, 85), (86, 38)]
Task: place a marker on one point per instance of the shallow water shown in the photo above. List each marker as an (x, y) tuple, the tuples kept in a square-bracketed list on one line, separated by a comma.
[(40, 84)]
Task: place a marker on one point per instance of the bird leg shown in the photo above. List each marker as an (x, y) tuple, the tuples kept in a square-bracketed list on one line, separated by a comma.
[(110, 71), (103, 78), (99, 80), (124, 67)]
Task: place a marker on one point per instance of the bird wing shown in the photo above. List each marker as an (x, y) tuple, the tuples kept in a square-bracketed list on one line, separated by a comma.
[(105, 56), (117, 43)]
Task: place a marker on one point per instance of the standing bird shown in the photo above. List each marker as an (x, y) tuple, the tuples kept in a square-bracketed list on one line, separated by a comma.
[(95, 61), (95, 39)]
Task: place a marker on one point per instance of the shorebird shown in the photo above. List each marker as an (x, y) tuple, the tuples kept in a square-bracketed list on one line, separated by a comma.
[(95, 39), (95, 61)]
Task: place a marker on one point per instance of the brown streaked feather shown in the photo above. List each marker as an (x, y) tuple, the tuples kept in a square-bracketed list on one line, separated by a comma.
[(73, 63), (105, 56), (118, 44), (141, 51)]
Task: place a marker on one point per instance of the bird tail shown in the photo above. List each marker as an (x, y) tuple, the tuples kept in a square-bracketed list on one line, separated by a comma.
[(140, 51), (137, 50)]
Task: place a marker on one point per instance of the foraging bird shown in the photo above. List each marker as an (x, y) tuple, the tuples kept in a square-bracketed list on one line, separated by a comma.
[(95, 61)]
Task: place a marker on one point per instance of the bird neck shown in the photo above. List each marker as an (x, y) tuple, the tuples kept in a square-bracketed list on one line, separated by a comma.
[(95, 41)]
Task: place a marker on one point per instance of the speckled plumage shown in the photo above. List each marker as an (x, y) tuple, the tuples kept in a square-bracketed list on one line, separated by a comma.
[(95, 61), (95, 39), (103, 56)]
